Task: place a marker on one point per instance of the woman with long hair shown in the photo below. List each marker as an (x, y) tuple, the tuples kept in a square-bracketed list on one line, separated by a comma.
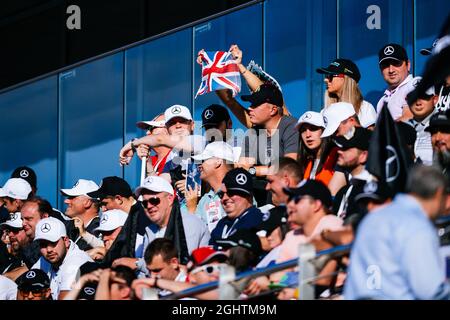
[(342, 77), (317, 156)]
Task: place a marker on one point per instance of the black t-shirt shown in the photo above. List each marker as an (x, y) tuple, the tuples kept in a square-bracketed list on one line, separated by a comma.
[(74, 234), (353, 212)]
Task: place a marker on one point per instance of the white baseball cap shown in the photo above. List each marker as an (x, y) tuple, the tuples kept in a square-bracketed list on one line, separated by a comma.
[(177, 111), (50, 229), (311, 117), (155, 184), (147, 125), (217, 149), (14, 221), (112, 219), (334, 114), (81, 188), (16, 188)]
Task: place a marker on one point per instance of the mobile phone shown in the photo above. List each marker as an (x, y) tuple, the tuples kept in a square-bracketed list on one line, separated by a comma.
[(193, 176)]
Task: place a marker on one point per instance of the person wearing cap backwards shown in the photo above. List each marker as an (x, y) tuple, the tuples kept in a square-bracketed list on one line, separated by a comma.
[(109, 228), (14, 192), (83, 210), (394, 66), (236, 196), (155, 163), (400, 246), (342, 77), (15, 263), (203, 267), (116, 194), (422, 110), (61, 257), (439, 128), (443, 89), (162, 208), (317, 156), (353, 153), (33, 285), (215, 162)]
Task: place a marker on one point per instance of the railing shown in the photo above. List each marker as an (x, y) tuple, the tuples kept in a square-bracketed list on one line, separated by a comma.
[(230, 285)]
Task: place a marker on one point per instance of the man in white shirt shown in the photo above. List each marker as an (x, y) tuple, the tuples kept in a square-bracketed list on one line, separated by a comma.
[(394, 66), (61, 258)]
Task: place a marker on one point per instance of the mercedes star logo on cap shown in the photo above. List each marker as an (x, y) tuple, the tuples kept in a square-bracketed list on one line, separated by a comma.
[(208, 114), (30, 274), (24, 173), (388, 50), (45, 228), (13, 216), (307, 116), (176, 110), (241, 178), (89, 291), (104, 219), (325, 121), (370, 187)]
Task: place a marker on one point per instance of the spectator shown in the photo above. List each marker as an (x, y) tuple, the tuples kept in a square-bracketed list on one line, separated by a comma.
[(439, 128), (394, 66), (110, 226), (116, 194), (317, 156), (216, 162), (33, 285), (422, 111), (83, 210), (286, 175), (353, 153), (404, 264), (27, 174), (114, 283), (14, 192), (156, 163), (342, 77), (186, 230), (61, 257), (8, 289), (236, 196), (217, 122)]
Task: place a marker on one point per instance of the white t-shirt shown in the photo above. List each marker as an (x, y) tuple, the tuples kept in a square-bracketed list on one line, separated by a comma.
[(367, 115), (8, 289), (396, 98), (63, 278)]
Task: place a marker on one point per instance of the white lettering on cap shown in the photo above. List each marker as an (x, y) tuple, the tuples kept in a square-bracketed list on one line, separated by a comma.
[(241, 179), (388, 50)]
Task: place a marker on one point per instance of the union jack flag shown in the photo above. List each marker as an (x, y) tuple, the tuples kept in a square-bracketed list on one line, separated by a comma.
[(219, 71)]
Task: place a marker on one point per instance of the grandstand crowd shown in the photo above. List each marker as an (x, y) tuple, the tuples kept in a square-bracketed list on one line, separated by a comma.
[(375, 177)]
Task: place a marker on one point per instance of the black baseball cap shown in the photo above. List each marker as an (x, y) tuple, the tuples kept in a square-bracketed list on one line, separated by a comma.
[(342, 66), (239, 180), (275, 218), (27, 174), (88, 291), (33, 279), (266, 93), (112, 186), (360, 139), (245, 238), (439, 120), (427, 51), (392, 51), (214, 114), (314, 188), (373, 190)]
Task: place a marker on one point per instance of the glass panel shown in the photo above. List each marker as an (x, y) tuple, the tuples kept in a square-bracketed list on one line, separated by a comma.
[(364, 28), (29, 133), (91, 118), (158, 75), (294, 48), (243, 28)]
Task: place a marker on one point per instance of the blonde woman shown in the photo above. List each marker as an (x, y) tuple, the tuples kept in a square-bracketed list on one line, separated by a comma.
[(342, 77)]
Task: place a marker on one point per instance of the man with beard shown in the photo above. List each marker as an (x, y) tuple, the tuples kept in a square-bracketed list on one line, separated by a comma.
[(439, 129)]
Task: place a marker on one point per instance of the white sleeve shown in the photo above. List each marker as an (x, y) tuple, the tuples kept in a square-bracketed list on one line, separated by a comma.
[(92, 240)]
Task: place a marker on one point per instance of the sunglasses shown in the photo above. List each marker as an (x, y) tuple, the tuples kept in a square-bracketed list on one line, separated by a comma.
[(391, 62), (34, 293), (297, 199), (230, 193), (209, 269), (153, 201), (330, 77)]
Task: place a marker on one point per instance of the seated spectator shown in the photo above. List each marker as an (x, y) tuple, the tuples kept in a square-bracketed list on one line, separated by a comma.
[(236, 196), (422, 110), (317, 156), (115, 283), (404, 264), (83, 210), (216, 161), (14, 193), (342, 77), (439, 129), (61, 257), (33, 285)]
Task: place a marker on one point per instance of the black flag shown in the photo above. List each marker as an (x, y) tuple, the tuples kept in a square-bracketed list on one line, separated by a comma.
[(389, 158)]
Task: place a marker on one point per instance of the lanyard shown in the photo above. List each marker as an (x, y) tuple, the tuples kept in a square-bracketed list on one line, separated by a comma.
[(225, 233)]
